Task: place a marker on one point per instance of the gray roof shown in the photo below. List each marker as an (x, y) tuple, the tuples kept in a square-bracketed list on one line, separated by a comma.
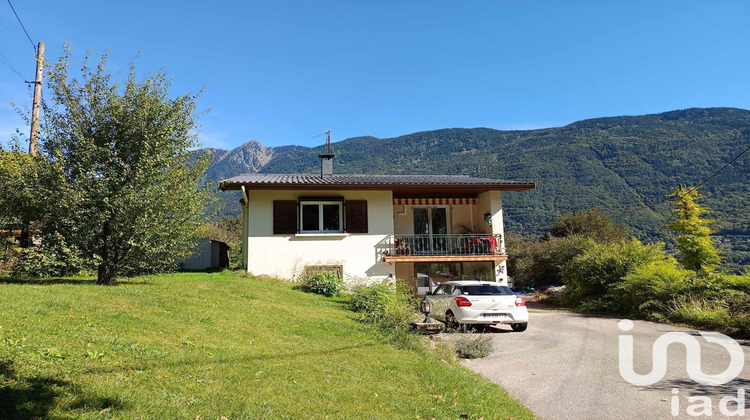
[(250, 180)]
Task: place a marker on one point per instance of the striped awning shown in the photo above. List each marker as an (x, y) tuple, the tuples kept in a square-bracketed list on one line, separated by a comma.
[(441, 201)]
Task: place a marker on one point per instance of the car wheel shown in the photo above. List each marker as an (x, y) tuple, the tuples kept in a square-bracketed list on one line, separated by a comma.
[(519, 327), (450, 322)]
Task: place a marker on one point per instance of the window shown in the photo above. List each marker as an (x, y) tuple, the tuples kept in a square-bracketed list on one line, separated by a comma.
[(321, 216), (486, 290), (443, 289)]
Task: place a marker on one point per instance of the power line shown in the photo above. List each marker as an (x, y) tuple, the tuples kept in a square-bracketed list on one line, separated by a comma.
[(717, 172), (704, 181), (643, 203), (10, 66), (23, 27)]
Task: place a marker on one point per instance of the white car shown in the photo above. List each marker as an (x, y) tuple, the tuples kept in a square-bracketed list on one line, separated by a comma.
[(460, 303)]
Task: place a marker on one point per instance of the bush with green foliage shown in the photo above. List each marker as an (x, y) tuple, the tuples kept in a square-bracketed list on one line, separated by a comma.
[(721, 302), (645, 290), (639, 280), (53, 258), (371, 299), (590, 276), (388, 307), (235, 257), (474, 346), (541, 263), (8, 255), (603, 273), (737, 282), (382, 303), (324, 283)]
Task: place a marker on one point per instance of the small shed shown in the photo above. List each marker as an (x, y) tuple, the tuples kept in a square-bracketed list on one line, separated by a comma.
[(207, 255)]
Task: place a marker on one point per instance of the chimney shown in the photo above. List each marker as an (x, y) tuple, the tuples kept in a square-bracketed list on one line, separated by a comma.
[(326, 159), (326, 165)]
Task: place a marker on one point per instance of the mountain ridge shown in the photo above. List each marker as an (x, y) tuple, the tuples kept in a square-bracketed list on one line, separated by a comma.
[(623, 165)]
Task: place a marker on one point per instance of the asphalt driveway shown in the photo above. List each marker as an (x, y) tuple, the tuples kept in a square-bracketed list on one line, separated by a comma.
[(565, 366)]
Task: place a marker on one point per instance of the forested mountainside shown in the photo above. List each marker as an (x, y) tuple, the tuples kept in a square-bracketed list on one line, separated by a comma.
[(625, 166)]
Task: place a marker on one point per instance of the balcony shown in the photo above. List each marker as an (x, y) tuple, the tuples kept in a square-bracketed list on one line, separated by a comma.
[(436, 248)]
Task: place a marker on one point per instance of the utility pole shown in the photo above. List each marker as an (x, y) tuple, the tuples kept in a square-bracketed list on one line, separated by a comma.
[(37, 98), (26, 234)]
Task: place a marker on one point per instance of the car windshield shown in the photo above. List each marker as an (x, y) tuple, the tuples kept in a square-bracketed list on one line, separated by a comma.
[(486, 290)]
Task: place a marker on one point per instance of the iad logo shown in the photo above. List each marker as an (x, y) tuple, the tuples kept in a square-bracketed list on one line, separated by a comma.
[(692, 360), (700, 405)]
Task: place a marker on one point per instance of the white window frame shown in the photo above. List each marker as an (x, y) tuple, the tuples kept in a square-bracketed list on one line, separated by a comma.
[(448, 216), (320, 205)]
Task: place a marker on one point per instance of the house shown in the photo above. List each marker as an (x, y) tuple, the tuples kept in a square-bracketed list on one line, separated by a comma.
[(421, 229), (208, 255)]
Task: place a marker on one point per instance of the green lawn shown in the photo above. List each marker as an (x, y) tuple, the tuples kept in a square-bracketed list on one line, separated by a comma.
[(212, 345)]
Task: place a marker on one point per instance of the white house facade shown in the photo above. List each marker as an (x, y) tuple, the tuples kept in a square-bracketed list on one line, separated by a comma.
[(419, 229)]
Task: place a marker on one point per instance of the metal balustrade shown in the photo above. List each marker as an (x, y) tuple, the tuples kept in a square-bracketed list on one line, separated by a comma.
[(459, 244)]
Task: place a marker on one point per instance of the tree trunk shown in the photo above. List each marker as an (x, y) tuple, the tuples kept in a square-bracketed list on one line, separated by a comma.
[(105, 275), (25, 239), (106, 272)]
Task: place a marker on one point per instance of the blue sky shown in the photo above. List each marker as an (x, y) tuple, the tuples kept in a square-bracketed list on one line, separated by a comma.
[(281, 72)]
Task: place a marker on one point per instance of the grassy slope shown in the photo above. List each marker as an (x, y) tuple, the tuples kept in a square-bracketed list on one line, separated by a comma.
[(213, 345)]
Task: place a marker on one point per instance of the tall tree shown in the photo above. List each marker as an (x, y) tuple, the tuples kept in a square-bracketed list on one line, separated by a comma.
[(128, 184), (694, 235)]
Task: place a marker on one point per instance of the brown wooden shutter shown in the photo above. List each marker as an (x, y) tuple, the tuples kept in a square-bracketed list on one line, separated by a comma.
[(284, 217), (356, 216)]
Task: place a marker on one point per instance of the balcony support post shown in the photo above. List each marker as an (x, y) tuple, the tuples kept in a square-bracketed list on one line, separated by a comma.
[(498, 228)]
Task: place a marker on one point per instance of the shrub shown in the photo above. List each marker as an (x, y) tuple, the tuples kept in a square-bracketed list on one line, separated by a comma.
[(590, 275), (235, 257), (649, 286), (741, 283), (474, 346), (53, 258), (382, 303), (371, 299), (323, 283), (9, 253), (390, 309), (541, 263)]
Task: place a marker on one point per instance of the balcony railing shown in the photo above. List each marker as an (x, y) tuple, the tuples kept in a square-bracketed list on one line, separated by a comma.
[(448, 245)]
